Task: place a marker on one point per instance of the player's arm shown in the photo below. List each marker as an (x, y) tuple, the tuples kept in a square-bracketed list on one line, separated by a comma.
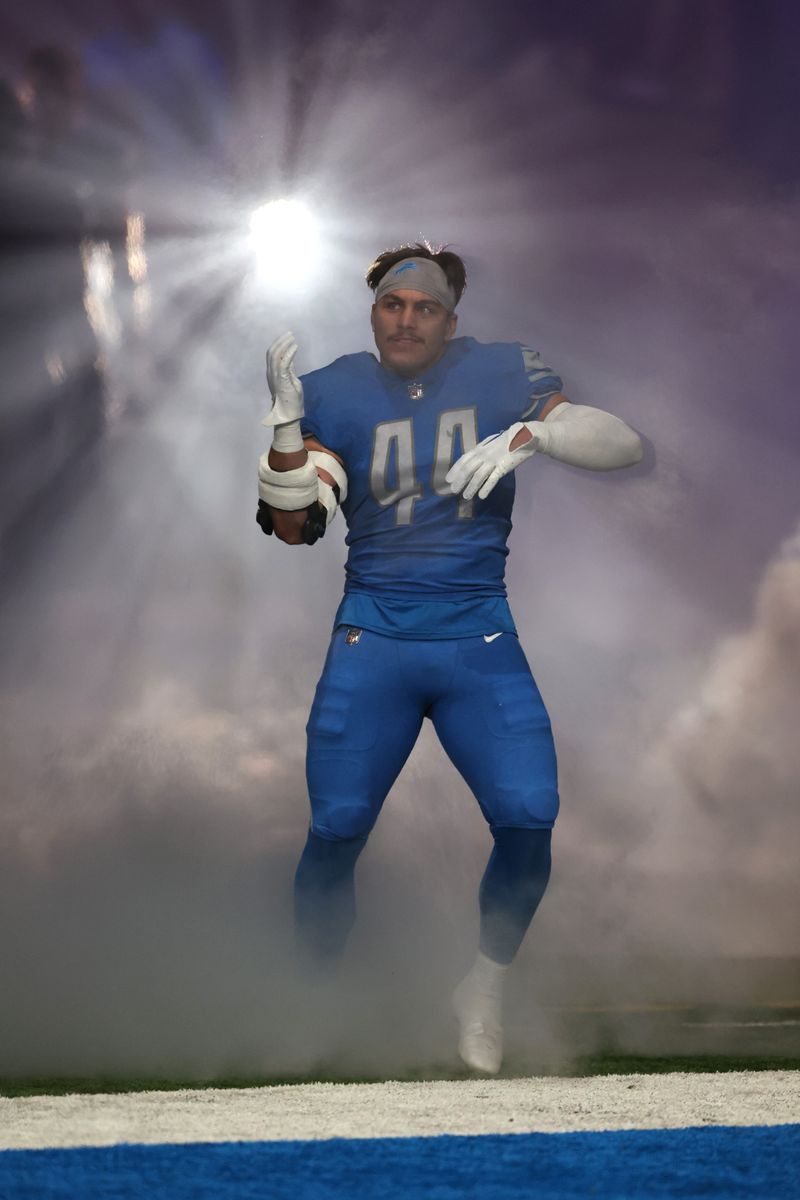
[(299, 488), (576, 434), (524, 434), (288, 526)]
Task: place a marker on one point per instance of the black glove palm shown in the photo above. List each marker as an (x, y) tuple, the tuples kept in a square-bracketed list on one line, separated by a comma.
[(313, 530)]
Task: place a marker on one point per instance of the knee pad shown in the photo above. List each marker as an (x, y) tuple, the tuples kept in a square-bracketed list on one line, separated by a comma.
[(344, 823)]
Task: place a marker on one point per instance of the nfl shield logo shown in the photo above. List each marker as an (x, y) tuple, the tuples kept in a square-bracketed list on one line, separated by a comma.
[(353, 636)]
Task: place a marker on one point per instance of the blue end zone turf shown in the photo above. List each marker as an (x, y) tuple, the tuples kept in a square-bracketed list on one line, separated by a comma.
[(718, 1161)]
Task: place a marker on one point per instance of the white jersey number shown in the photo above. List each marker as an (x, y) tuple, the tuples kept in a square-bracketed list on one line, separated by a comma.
[(392, 469)]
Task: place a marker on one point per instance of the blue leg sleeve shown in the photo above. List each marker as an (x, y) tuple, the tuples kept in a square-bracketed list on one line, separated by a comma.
[(324, 895), (512, 886)]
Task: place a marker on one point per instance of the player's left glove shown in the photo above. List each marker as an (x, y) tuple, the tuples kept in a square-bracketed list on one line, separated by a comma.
[(481, 468), (575, 434)]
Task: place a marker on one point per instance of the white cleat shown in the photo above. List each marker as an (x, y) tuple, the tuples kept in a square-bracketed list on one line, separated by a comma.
[(480, 1042)]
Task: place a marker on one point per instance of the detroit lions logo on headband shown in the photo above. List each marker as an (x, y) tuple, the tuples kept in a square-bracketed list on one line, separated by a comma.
[(428, 278)]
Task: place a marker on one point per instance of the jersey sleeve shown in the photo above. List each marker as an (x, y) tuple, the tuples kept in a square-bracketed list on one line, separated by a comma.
[(542, 380), (311, 424)]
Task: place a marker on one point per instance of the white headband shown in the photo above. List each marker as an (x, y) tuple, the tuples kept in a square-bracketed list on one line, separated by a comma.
[(419, 275)]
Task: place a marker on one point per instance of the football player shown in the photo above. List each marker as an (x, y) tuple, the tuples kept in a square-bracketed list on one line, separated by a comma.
[(419, 447)]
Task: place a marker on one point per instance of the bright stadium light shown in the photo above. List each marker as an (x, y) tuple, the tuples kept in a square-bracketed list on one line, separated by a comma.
[(285, 239)]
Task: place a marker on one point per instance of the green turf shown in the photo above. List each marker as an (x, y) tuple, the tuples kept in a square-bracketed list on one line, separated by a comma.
[(598, 1064), (632, 1064)]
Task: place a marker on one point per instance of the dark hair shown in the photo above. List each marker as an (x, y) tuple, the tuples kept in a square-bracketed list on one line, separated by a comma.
[(450, 263)]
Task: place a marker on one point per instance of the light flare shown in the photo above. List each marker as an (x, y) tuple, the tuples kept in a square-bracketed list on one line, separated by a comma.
[(285, 237)]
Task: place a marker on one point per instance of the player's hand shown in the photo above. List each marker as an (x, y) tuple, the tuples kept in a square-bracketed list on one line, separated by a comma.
[(480, 469), (285, 387)]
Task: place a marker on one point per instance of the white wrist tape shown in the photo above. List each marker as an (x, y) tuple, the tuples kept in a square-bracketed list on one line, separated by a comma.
[(582, 436), (289, 490), (330, 496), (287, 438)]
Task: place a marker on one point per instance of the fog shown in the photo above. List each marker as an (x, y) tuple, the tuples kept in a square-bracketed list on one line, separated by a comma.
[(159, 654)]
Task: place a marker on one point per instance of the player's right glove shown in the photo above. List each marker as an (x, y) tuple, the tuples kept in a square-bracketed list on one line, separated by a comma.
[(285, 388), (298, 487), (316, 521), (264, 518)]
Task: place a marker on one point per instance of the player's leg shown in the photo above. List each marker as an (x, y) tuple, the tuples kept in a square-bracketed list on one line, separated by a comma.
[(512, 887), (363, 724), (324, 896), (494, 727), (513, 884)]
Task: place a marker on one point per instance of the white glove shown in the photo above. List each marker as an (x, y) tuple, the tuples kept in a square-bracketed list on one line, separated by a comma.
[(575, 434), (285, 387), (486, 464)]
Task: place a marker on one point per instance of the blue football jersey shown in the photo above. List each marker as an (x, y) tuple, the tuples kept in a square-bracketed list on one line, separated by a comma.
[(421, 561)]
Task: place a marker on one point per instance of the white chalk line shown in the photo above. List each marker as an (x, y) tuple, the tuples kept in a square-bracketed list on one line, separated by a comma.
[(402, 1109)]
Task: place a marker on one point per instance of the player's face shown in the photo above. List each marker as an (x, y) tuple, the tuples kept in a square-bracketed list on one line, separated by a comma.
[(411, 330)]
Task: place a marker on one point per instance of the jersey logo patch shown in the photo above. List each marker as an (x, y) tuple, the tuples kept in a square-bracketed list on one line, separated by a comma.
[(489, 637), (353, 637)]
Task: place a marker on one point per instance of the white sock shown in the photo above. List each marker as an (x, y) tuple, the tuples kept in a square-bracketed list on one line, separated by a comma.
[(478, 1003), (487, 976), (481, 990)]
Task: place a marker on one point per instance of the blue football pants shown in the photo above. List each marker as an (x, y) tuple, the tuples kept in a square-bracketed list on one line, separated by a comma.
[(368, 709)]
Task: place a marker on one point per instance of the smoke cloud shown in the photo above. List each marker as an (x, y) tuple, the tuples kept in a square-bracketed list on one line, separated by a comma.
[(731, 758)]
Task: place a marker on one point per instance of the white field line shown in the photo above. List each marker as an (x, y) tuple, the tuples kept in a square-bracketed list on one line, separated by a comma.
[(325, 1110)]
